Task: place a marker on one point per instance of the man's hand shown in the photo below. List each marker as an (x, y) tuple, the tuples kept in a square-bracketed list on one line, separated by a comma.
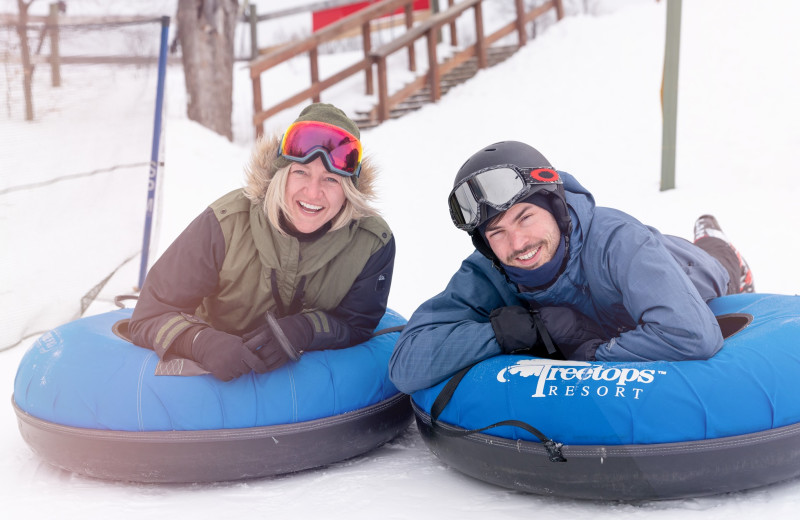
[(514, 328), (576, 336), (539, 331)]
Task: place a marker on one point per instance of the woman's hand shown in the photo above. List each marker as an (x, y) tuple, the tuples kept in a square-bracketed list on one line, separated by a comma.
[(225, 355)]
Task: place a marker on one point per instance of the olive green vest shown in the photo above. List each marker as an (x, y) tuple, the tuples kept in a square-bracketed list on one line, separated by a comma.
[(254, 249)]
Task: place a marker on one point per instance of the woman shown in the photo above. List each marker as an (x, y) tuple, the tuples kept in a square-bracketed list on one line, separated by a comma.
[(299, 242)]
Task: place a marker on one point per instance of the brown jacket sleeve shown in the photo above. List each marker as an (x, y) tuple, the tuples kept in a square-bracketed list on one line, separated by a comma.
[(177, 283)]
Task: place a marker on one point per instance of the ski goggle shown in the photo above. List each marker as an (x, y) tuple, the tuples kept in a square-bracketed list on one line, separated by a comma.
[(500, 187), (340, 150)]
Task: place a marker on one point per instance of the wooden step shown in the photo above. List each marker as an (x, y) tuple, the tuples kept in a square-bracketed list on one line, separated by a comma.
[(457, 76)]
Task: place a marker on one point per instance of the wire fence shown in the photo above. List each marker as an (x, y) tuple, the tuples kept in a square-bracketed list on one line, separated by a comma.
[(74, 177)]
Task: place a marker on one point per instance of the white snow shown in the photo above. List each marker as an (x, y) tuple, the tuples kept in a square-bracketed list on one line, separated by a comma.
[(585, 92)]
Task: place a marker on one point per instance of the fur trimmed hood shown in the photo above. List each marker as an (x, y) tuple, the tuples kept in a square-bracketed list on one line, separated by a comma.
[(264, 163)]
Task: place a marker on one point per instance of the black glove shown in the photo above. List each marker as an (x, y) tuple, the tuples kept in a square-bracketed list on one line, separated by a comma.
[(576, 336), (298, 331), (291, 334), (224, 355), (540, 331), (514, 327), (587, 351), (270, 351)]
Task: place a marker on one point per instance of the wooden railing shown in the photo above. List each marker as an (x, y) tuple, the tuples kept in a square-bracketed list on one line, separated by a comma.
[(429, 29), (360, 19)]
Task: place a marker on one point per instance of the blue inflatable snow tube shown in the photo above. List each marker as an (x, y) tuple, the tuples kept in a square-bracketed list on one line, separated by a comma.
[(635, 430), (89, 401)]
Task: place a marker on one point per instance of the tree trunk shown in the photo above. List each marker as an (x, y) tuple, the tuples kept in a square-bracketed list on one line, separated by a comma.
[(25, 51), (205, 32)]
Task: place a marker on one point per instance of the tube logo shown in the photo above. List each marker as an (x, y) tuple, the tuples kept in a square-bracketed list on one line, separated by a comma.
[(556, 378)]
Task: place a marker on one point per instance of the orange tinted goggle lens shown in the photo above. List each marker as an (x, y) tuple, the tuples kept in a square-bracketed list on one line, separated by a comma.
[(340, 149)]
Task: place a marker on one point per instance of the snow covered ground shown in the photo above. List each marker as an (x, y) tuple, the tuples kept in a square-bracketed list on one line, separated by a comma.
[(585, 93)]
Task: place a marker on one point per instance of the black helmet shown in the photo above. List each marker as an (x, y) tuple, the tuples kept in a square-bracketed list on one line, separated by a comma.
[(540, 178), (504, 152)]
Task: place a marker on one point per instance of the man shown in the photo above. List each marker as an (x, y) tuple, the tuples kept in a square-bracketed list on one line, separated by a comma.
[(555, 276)]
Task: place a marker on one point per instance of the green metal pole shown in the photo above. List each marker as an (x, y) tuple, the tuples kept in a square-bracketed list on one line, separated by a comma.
[(669, 94)]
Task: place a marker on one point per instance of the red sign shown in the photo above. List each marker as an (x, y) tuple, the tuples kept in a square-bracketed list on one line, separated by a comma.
[(328, 16)]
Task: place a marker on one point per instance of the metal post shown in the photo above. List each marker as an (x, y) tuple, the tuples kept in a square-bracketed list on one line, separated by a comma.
[(153, 175), (522, 36), (434, 5), (55, 58), (366, 43), (669, 94), (453, 32), (253, 31), (412, 57)]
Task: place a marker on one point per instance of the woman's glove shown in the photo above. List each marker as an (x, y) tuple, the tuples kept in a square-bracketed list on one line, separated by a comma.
[(224, 355), (290, 335), (268, 348)]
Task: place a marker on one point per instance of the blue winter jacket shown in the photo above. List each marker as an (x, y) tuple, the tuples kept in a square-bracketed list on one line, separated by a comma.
[(648, 291)]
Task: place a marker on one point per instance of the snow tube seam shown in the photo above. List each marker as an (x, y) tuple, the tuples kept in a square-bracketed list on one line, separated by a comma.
[(227, 455), (293, 388), (139, 387), (211, 435), (693, 389), (629, 449)]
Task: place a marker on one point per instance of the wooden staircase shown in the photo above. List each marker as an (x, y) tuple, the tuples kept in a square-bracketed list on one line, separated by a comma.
[(428, 86), (457, 76)]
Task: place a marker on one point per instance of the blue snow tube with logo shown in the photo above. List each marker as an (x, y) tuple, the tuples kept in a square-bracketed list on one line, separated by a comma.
[(89, 401), (633, 431)]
